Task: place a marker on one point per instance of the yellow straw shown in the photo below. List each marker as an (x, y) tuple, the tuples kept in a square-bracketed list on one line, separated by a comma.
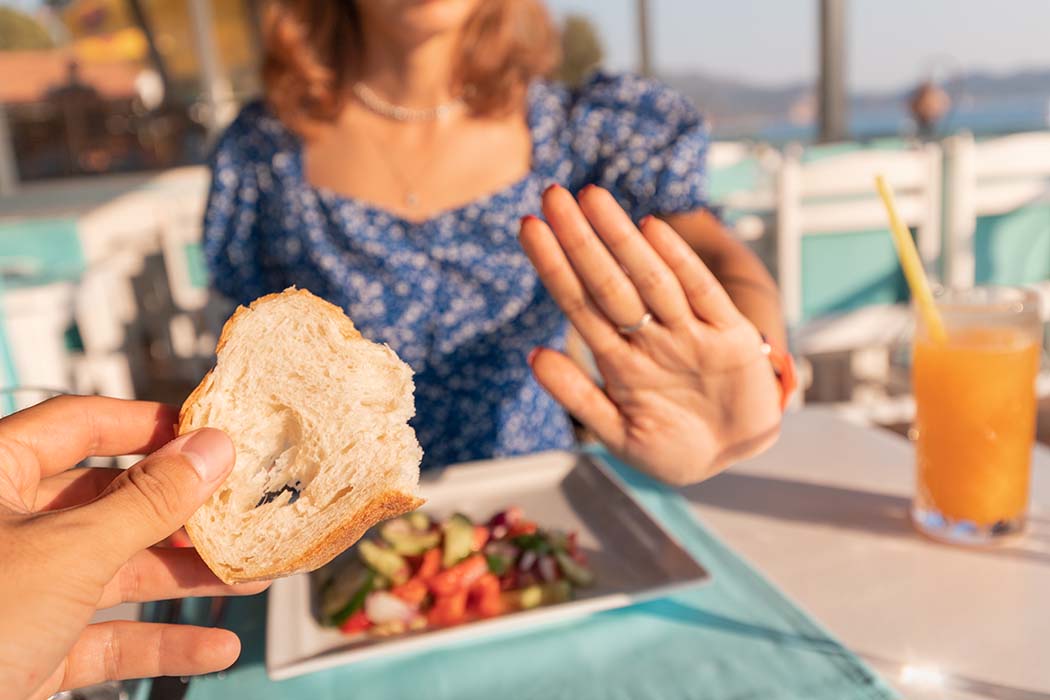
[(912, 265)]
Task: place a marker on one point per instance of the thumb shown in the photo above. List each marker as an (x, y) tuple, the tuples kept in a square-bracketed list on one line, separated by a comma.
[(155, 497)]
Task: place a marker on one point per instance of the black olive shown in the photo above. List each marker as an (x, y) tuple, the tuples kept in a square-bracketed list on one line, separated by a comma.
[(269, 496)]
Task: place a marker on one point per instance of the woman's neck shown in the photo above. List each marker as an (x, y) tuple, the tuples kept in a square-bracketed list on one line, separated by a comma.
[(418, 76)]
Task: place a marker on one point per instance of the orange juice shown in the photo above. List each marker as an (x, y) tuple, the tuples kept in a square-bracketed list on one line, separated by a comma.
[(975, 414)]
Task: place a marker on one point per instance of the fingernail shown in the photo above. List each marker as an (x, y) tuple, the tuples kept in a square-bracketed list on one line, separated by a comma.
[(210, 452), (552, 186), (527, 218), (587, 188), (645, 219), (532, 356)]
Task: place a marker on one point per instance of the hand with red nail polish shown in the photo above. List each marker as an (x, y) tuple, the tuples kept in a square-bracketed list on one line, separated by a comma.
[(684, 389), (79, 540)]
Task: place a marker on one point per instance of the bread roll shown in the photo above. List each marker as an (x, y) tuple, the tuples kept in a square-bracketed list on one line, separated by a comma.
[(319, 417)]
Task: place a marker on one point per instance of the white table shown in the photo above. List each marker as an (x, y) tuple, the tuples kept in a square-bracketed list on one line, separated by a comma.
[(824, 514)]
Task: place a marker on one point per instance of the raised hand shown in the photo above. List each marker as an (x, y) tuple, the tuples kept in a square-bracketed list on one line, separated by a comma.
[(687, 389)]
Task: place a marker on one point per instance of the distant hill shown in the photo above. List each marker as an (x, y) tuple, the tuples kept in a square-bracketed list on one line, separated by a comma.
[(748, 105), (720, 95)]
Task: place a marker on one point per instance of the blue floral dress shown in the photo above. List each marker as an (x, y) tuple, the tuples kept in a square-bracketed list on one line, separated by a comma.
[(454, 295)]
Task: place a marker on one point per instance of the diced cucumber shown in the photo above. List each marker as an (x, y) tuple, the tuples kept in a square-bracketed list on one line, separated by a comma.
[(407, 541), (537, 594), (573, 570), (356, 602), (459, 540), (418, 521), (340, 588), (384, 561), (556, 592), (558, 540), (531, 597)]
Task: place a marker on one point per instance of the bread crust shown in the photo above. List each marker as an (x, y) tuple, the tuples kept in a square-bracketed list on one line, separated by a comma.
[(388, 504)]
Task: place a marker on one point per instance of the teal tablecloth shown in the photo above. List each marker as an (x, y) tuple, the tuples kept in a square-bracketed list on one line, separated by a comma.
[(736, 637)]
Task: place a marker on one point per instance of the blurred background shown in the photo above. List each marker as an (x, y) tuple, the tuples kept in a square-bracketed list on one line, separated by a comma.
[(108, 109)]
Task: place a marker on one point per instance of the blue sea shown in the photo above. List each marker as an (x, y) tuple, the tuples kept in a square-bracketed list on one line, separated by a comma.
[(982, 119)]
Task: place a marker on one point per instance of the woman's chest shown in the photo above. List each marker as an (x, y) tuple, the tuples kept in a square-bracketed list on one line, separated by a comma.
[(418, 171), (439, 283)]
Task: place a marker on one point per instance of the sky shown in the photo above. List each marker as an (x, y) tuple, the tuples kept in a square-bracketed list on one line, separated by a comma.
[(893, 43)]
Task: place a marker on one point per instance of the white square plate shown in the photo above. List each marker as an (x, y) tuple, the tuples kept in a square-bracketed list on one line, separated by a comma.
[(633, 558)]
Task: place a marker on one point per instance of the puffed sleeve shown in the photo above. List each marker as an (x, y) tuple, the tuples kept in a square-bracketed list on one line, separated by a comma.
[(641, 140), (233, 245)]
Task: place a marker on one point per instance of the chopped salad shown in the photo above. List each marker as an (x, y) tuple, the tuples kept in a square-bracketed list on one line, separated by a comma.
[(419, 573)]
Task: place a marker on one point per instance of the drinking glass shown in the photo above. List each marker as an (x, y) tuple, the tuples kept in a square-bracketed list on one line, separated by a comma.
[(975, 414)]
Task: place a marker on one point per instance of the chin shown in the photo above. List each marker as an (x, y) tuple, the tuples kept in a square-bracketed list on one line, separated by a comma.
[(417, 20)]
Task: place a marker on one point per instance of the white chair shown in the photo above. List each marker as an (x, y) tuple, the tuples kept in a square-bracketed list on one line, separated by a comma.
[(135, 301), (990, 178), (35, 320), (747, 198), (184, 193), (197, 312), (116, 237), (836, 195)]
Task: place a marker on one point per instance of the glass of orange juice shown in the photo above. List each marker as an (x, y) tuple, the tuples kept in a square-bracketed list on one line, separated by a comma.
[(975, 414)]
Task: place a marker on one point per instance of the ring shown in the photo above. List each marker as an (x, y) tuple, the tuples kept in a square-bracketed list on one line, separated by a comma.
[(635, 327)]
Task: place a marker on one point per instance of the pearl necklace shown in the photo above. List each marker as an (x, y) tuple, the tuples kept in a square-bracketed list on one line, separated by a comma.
[(401, 113)]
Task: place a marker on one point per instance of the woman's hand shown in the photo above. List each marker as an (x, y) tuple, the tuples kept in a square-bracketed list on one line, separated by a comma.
[(686, 393), (75, 540)]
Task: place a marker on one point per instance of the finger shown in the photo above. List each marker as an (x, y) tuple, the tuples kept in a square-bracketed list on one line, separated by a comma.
[(110, 651), (58, 433), (163, 573), (73, 487), (154, 498), (657, 285), (601, 275), (703, 290), (572, 388), (561, 281)]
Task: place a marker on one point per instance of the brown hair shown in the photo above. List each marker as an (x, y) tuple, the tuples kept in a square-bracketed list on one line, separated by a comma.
[(311, 46)]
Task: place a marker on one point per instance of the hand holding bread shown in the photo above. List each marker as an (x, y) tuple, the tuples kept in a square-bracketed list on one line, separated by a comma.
[(316, 449), (80, 539)]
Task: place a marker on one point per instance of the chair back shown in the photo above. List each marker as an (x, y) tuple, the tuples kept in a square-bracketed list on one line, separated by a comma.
[(831, 202)]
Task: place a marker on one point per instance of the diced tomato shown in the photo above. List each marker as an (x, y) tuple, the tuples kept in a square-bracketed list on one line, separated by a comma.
[(358, 622), (488, 582), (412, 591), (459, 577), (481, 537), (491, 606), (430, 565), (571, 543), (449, 609), (524, 527), (485, 596)]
